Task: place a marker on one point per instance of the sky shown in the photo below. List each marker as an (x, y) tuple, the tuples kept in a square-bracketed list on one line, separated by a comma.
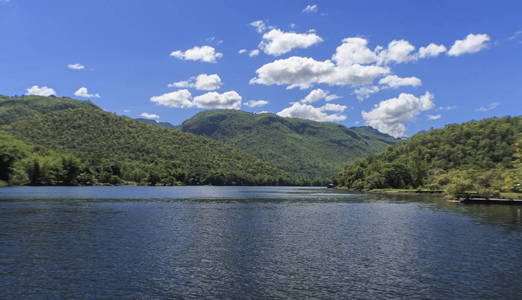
[(398, 66)]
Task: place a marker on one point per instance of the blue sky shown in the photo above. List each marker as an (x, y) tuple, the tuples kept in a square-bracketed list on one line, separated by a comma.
[(131, 51)]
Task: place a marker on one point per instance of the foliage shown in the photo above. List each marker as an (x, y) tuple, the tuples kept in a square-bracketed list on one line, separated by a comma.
[(483, 157), (87, 146), (15, 108), (155, 123), (304, 148)]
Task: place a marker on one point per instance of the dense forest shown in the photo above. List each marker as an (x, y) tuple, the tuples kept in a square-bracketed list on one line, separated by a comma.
[(59, 141), (304, 148), (484, 157)]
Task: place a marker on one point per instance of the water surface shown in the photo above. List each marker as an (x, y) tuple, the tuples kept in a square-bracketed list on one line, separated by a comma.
[(253, 242)]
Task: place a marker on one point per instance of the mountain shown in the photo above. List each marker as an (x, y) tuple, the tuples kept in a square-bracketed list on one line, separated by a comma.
[(305, 148), (111, 149), (483, 156), (14, 108), (155, 123)]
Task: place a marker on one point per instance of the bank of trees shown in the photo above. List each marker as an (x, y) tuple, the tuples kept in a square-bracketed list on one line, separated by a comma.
[(483, 157)]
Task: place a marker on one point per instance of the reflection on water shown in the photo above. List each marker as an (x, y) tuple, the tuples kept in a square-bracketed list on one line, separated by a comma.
[(253, 242)]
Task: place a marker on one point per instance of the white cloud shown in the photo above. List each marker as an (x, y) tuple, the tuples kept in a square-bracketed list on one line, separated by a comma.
[(259, 25), (471, 44), (431, 50), (318, 94), (204, 53), (241, 51), (149, 116), (202, 82), (277, 42), (434, 117), (76, 66), (256, 103), (366, 91), (303, 72), (83, 92), (333, 107), (398, 51), (354, 51), (183, 98), (388, 116), (306, 111), (254, 52), (294, 71), (206, 82), (452, 107), (311, 8), (40, 91), (488, 107), (180, 98), (394, 81), (227, 100), (182, 84)]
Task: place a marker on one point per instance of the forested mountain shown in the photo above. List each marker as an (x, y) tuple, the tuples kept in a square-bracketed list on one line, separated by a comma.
[(482, 156), (305, 148), (14, 108), (155, 123), (108, 149)]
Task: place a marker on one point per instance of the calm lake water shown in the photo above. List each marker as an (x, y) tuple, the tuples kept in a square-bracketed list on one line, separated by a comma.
[(253, 242)]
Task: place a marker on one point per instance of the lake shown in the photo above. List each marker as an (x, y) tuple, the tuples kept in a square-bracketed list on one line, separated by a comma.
[(253, 243)]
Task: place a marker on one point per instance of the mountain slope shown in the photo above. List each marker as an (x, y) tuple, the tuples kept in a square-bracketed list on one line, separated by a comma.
[(476, 155), (15, 108), (154, 123), (306, 148), (114, 146)]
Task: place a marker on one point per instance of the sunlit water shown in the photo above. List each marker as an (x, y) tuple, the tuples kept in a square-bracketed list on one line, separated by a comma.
[(253, 242)]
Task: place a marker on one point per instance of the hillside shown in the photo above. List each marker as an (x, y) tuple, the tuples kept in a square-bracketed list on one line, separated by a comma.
[(483, 156), (116, 150), (155, 123), (306, 148), (15, 108)]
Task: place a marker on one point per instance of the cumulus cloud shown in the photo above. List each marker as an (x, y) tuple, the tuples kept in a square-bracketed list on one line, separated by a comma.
[(333, 107), (256, 103), (394, 81), (254, 52), (294, 71), (319, 94), (398, 51), (40, 91), (76, 66), (354, 51), (149, 116), (488, 107), (259, 25), (434, 117), (204, 53), (366, 91), (202, 82), (431, 50), (83, 92), (311, 8), (309, 112), (180, 98), (241, 51), (471, 44), (389, 115), (303, 72), (183, 99), (227, 100), (277, 42)]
